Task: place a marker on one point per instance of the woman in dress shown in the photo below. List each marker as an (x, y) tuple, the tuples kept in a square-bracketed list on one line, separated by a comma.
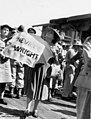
[(5, 69), (33, 83)]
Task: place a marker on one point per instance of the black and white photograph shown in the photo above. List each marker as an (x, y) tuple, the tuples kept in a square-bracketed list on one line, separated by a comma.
[(45, 59)]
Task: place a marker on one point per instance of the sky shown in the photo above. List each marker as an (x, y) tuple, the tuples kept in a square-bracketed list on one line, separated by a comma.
[(33, 12)]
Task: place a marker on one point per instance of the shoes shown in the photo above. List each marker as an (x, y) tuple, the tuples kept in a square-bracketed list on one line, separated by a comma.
[(3, 102), (35, 114), (18, 96), (49, 99), (11, 96), (27, 113)]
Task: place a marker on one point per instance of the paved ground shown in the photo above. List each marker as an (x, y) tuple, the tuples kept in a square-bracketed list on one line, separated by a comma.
[(55, 109)]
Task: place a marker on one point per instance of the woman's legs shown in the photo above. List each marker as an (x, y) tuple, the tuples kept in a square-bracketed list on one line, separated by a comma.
[(35, 109), (29, 103), (36, 102)]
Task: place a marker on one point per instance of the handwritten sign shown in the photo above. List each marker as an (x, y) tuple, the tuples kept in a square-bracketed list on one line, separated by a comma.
[(24, 48)]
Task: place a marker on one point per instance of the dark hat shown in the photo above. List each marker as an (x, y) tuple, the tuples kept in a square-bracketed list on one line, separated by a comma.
[(7, 26), (20, 28), (31, 30)]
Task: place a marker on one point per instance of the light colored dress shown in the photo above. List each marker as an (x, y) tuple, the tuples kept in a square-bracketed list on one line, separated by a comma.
[(5, 69)]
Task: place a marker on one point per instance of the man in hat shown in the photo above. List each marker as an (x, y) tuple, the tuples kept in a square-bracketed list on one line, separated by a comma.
[(5, 69), (69, 71), (77, 44), (78, 60)]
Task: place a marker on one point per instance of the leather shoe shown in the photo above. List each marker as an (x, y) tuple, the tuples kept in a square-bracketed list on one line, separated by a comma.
[(3, 102), (18, 96), (26, 113)]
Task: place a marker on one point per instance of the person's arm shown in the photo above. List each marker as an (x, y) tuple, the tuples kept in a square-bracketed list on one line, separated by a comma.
[(49, 70)]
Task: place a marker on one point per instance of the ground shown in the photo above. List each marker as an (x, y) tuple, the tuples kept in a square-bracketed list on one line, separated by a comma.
[(54, 109)]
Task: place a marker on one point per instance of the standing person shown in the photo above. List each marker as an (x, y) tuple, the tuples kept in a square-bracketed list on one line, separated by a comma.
[(29, 80), (52, 37), (66, 47), (83, 84), (17, 73), (5, 69), (33, 85), (78, 60), (54, 76), (69, 72)]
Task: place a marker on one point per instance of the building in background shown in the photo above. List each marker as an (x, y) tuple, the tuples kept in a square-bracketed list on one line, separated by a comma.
[(73, 27)]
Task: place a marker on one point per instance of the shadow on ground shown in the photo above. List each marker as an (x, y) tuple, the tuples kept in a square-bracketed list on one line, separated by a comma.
[(58, 104), (66, 112), (12, 112)]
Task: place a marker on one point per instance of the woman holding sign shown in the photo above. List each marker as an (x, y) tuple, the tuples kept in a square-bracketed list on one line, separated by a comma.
[(33, 80), (5, 70)]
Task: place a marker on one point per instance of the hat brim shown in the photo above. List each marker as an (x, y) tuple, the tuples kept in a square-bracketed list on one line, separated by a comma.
[(49, 28), (7, 26), (31, 30)]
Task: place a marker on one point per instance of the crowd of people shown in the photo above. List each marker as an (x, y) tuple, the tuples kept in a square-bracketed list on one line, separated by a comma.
[(67, 71)]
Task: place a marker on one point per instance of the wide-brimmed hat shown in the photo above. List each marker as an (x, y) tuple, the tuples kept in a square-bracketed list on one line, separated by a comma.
[(54, 30), (7, 26), (31, 30)]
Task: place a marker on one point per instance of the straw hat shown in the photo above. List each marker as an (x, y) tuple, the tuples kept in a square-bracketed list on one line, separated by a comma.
[(54, 30)]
